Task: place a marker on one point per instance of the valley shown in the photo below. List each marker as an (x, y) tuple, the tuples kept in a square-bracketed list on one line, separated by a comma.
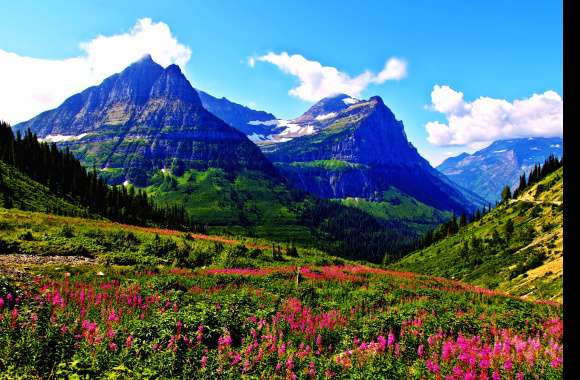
[(151, 230)]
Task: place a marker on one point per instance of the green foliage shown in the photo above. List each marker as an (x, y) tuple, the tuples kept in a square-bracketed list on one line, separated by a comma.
[(492, 251)]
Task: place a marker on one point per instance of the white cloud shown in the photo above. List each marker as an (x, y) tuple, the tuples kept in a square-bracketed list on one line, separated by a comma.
[(318, 81), (487, 119), (395, 69), (251, 61), (32, 85)]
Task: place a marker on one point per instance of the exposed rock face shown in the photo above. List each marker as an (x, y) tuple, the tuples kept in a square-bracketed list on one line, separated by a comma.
[(251, 122), (365, 133), (144, 119), (488, 170)]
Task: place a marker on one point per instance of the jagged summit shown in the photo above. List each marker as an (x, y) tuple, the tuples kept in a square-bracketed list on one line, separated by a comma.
[(368, 145), (143, 119), (324, 108)]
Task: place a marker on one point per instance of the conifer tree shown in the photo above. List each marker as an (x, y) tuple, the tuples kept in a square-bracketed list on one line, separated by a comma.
[(506, 194)]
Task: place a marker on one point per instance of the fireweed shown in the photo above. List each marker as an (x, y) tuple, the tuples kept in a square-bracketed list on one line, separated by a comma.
[(335, 322)]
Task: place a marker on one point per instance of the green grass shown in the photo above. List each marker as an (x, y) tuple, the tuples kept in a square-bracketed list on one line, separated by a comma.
[(27, 194), (249, 203), (40, 234), (147, 311), (336, 165), (401, 207), (527, 263)]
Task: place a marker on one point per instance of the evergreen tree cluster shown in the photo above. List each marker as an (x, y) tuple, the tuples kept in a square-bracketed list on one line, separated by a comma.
[(451, 227), (539, 172), (64, 175), (352, 233)]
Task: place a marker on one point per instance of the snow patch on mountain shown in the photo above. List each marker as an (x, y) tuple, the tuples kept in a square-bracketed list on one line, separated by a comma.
[(350, 101), (62, 138), (325, 116)]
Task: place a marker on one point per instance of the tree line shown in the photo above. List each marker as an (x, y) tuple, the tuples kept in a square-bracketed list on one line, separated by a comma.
[(453, 225), (65, 176)]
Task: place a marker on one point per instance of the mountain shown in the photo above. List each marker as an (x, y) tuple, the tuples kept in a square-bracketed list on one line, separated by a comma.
[(359, 149), (528, 261), (146, 127), (488, 170), (143, 120), (257, 125)]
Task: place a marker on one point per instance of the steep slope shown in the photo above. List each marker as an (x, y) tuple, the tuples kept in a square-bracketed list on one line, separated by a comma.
[(257, 125), (20, 191), (142, 120), (146, 126), (488, 170), (526, 262), (366, 152)]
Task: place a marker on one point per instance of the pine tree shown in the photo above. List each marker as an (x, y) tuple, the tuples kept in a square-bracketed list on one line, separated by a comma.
[(506, 194), (462, 220)]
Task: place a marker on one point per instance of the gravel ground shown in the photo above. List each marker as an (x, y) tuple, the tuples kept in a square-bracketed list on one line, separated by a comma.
[(15, 265)]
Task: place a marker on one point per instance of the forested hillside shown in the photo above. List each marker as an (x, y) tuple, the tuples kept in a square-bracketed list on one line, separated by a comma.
[(516, 248)]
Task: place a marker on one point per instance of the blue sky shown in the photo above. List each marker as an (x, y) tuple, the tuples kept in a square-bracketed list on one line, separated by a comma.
[(500, 50)]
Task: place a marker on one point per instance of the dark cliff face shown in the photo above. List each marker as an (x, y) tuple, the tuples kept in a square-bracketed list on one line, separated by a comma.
[(365, 133), (244, 119), (488, 170), (144, 119)]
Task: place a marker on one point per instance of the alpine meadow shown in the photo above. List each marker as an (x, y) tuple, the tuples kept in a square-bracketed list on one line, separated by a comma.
[(282, 190)]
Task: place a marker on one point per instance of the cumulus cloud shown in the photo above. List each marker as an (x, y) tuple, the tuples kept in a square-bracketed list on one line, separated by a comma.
[(251, 61), (487, 119), (32, 85), (318, 81)]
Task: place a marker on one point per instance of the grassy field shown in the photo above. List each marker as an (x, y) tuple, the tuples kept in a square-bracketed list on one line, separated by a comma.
[(526, 262), (27, 194), (150, 303)]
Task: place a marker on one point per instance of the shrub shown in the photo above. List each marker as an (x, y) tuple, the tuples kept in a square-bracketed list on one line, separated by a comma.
[(8, 246), (26, 236), (66, 231)]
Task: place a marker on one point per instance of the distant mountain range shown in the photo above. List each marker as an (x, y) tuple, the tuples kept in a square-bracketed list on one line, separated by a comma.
[(488, 170), (357, 148)]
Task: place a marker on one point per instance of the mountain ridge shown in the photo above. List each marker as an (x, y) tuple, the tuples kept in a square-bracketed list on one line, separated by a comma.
[(145, 119), (365, 133), (488, 170)]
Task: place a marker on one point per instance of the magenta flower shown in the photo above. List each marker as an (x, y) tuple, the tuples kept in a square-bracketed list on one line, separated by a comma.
[(289, 363), (391, 339), (237, 358), (421, 350), (508, 365)]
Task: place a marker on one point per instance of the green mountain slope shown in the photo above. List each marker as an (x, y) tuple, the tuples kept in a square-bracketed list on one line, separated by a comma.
[(525, 262), (247, 203), (250, 204), (395, 205), (20, 191)]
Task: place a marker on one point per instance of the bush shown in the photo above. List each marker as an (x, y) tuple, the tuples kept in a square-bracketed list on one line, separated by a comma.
[(66, 231), (159, 247), (199, 258), (8, 246), (26, 236)]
